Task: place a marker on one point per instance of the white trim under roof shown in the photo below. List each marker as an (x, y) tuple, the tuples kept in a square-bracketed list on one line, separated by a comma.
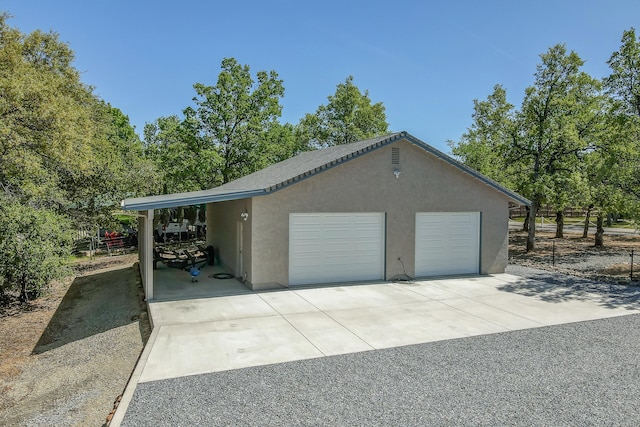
[(186, 199)]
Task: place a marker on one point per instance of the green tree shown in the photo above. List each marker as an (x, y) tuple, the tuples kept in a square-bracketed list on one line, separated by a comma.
[(557, 122), (116, 169), (183, 164), (278, 144), (483, 146), (66, 157), (624, 81), (539, 149), (34, 248), (349, 116), (61, 147), (45, 123), (232, 118), (623, 133)]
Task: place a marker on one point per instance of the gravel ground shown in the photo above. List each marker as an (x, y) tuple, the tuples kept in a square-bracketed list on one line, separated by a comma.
[(84, 357), (589, 263), (585, 373), (573, 287)]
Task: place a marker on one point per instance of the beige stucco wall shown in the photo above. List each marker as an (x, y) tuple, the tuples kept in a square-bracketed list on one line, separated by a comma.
[(223, 229), (367, 184)]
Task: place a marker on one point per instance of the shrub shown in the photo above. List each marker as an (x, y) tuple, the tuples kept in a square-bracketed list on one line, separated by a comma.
[(35, 245)]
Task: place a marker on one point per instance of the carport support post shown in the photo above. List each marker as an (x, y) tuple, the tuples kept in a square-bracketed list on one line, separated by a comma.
[(147, 255)]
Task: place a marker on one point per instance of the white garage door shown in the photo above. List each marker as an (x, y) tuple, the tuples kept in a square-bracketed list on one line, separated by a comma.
[(447, 243), (335, 247)]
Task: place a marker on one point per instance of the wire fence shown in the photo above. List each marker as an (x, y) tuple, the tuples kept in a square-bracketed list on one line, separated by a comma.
[(617, 261), (608, 263), (92, 243)]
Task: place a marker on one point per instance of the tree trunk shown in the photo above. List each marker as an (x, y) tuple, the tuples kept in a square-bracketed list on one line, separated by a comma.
[(525, 226), (599, 231), (609, 216), (24, 296), (585, 231), (531, 235), (559, 225)]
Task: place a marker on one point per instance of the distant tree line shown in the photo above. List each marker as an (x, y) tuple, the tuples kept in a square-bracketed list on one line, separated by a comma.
[(574, 141)]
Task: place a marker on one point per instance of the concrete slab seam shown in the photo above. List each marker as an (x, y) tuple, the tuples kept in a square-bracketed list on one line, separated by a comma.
[(493, 308), (338, 322), (292, 325)]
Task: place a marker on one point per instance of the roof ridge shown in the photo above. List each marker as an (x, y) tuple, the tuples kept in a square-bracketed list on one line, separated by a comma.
[(301, 167)]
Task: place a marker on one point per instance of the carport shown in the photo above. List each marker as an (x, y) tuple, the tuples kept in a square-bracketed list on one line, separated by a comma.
[(146, 206)]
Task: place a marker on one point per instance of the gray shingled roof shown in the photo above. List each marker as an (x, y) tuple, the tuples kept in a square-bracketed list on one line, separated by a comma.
[(295, 169)]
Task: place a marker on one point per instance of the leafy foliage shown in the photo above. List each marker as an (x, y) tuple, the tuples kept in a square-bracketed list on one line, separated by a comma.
[(539, 150), (234, 115), (34, 247), (349, 116), (66, 157), (623, 138), (484, 146), (231, 131)]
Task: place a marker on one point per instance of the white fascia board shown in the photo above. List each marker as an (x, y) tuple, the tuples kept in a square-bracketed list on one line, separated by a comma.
[(184, 199)]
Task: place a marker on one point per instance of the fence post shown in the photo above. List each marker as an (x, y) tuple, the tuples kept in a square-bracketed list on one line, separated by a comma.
[(631, 273), (553, 253)]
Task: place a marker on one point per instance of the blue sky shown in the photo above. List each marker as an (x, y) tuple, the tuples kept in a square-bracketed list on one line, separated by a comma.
[(426, 61)]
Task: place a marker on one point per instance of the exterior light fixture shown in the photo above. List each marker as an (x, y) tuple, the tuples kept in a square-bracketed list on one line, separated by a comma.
[(397, 173), (244, 215)]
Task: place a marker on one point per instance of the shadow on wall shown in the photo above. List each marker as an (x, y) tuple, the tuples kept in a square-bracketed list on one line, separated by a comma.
[(93, 304), (554, 287)]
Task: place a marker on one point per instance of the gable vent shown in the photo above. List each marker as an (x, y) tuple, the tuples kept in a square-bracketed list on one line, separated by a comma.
[(395, 156)]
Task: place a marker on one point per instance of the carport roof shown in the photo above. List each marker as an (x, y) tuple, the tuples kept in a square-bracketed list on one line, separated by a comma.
[(302, 166)]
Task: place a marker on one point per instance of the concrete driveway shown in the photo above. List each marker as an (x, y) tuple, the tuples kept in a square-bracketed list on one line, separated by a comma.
[(204, 335), (239, 328)]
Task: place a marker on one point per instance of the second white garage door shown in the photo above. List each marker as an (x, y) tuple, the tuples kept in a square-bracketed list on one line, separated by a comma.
[(335, 247), (447, 243)]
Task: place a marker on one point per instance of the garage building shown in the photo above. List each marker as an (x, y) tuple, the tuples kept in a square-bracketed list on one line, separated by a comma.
[(370, 210)]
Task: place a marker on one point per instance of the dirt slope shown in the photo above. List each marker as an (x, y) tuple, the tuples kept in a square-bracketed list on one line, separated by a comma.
[(66, 360)]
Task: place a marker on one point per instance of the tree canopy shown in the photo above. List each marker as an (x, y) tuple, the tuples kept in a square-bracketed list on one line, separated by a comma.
[(234, 128), (65, 155), (349, 116), (572, 142), (234, 115)]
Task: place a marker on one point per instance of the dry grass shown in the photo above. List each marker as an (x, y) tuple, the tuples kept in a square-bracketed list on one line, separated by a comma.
[(570, 244), (575, 248), (621, 270)]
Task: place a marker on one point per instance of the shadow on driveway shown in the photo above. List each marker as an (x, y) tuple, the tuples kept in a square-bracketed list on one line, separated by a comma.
[(555, 287), (93, 304)]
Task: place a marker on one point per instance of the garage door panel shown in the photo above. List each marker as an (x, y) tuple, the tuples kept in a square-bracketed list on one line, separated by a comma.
[(447, 243), (334, 247)]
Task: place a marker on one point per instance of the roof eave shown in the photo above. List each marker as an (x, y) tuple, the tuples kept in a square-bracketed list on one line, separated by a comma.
[(148, 203)]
